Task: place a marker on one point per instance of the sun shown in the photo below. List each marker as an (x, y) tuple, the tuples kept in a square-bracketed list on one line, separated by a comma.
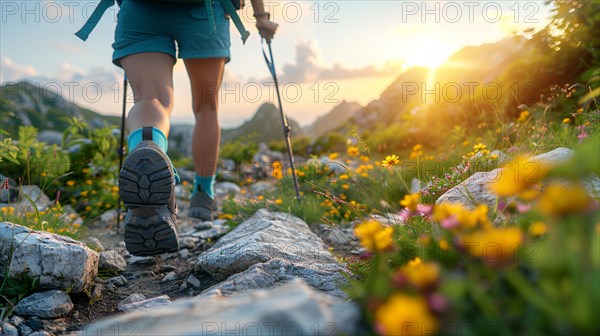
[(427, 53)]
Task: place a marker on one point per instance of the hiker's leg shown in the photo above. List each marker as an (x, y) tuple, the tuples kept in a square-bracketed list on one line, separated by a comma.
[(205, 75), (151, 78)]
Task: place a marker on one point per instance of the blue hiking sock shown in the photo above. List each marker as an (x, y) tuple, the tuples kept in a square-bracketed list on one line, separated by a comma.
[(159, 138), (206, 184)]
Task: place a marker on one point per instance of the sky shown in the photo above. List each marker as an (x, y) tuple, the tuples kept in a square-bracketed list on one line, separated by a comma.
[(325, 51)]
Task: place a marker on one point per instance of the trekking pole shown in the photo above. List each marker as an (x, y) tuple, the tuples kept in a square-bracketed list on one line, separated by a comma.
[(286, 128), (121, 149)]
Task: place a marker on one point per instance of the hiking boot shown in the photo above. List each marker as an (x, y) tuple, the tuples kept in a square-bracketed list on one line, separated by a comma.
[(147, 189), (201, 206)]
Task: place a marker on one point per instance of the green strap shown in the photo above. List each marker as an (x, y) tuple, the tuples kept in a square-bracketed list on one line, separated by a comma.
[(229, 9), (91, 23)]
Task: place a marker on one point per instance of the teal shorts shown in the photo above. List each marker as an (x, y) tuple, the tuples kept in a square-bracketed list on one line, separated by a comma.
[(155, 26)]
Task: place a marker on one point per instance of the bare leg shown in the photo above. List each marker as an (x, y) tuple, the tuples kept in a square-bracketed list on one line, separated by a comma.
[(151, 78), (205, 75)]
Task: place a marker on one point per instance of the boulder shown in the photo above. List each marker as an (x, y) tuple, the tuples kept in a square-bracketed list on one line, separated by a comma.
[(271, 248), (293, 308), (58, 262), (474, 190), (47, 304)]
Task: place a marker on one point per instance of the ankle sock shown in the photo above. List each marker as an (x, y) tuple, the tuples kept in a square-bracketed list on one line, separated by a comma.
[(206, 184), (159, 138)]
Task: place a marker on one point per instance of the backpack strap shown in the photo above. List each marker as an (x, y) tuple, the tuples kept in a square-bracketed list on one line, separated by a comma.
[(230, 9), (91, 23)]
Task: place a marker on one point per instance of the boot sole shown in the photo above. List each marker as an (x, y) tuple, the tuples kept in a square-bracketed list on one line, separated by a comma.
[(147, 233), (146, 179)]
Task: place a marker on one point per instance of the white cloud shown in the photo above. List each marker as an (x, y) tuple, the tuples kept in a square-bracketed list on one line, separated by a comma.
[(310, 67), (12, 72)]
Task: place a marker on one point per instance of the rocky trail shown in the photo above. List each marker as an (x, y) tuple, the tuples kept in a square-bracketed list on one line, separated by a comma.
[(270, 275)]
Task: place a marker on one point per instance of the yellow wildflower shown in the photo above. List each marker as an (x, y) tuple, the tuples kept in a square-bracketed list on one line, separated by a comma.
[(403, 313), (538, 228), (374, 236), (523, 116), (417, 147), (261, 197), (345, 186), (333, 156), (226, 216), (518, 176), (84, 193), (494, 246), (479, 147), (566, 120), (70, 183), (353, 151), (444, 244), (44, 174), (420, 274), (580, 110), (416, 154), (278, 201), (344, 177), (88, 208), (364, 158), (390, 160), (89, 182), (411, 201), (560, 200)]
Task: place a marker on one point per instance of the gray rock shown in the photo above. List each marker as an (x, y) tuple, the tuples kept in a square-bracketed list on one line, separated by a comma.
[(47, 304), (118, 281), (50, 137), (109, 217), (24, 329), (281, 246), (188, 242), (260, 187), (16, 320), (203, 226), (95, 244), (192, 280), (474, 190), (135, 297), (215, 232), (40, 333), (112, 261), (141, 261), (293, 308), (169, 277), (184, 253), (145, 304), (58, 262), (7, 329), (38, 197), (223, 189)]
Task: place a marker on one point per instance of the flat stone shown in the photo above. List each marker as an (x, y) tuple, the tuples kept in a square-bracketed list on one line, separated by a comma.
[(292, 308), (146, 304), (192, 280), (58, 262), (203, 226), (112, 261), (281, 247), (135, 297), (47, 304), (213, 233), (169, 277), (117, 281)]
